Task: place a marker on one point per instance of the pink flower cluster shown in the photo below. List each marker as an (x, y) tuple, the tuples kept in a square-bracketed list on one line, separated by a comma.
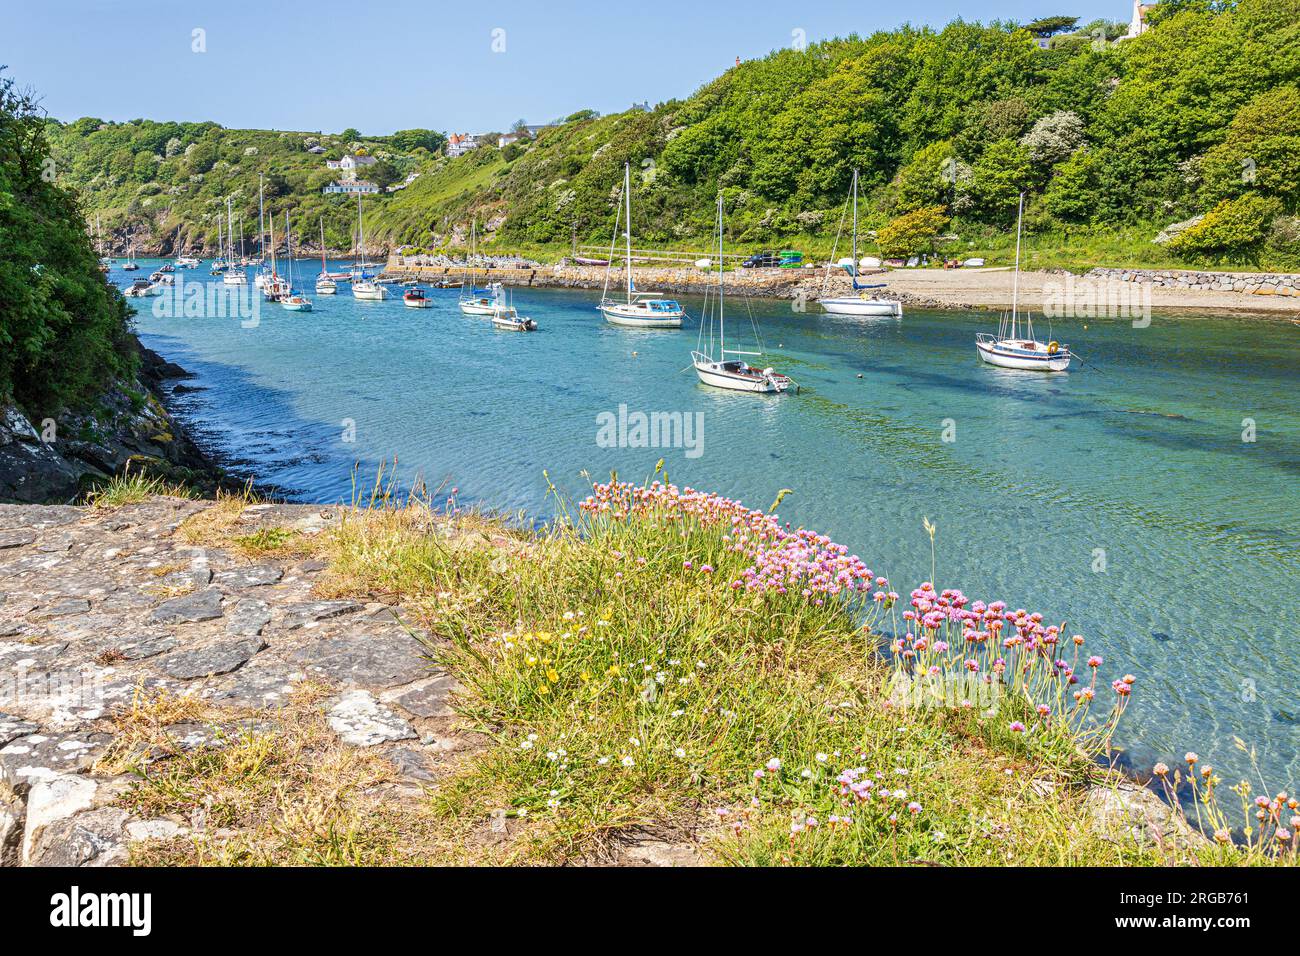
[(782, 559)]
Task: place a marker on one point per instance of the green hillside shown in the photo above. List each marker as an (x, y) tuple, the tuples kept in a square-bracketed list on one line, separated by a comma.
[(1112, 141)]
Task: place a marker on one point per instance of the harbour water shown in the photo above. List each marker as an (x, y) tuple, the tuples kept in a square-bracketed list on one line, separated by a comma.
[(1147, 498)]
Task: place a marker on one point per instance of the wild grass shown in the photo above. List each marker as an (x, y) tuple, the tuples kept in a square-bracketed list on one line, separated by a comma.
[(662, 661), (133, 487)]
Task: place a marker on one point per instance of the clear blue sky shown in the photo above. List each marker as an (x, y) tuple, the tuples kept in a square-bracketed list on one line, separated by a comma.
[(380, 66)]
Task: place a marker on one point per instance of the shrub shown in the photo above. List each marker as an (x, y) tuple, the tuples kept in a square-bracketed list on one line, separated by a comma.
[(912, 233), (1235, 227)]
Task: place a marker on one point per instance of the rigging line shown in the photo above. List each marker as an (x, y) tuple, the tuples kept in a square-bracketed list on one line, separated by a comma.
[(609, 262), (826, 279)]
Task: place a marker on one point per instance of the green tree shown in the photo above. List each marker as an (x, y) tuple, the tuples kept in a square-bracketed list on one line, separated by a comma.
[(912, 233), (1261, 151), (1233, 228), (999, 176), (1071, 194)]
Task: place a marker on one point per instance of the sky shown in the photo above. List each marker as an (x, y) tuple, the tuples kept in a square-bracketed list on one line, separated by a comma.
[(463, 66)]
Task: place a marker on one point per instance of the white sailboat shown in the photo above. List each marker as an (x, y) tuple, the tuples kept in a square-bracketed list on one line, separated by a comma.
[(274, 288), (1008, 349), (324, 284), (862, 303), (234, 274), (130, 265), (363, 285), (735, 373), (294, 301), (642, 310), (262, 275), (474, 301)]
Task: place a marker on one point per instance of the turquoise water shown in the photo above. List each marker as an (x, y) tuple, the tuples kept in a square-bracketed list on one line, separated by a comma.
[(1138, 462)]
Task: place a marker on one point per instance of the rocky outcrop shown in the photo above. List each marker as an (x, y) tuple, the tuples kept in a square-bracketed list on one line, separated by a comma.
[(55, 459), (1247, 283), (90, 620)]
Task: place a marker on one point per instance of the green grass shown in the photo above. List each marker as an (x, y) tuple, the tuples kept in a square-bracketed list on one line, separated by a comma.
[(625, 688), (133, 487)]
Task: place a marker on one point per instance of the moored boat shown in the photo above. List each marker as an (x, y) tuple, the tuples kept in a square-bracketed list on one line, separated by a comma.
[(866, 302), (416, 299), (642, 310), (1010, 349), (729, 369)]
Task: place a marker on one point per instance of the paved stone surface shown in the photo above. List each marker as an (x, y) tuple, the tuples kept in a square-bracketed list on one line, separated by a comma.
[(99, 606), (207, 661), (248, 617), (199, 606), (361, 659), (426, 698), (361, 720)]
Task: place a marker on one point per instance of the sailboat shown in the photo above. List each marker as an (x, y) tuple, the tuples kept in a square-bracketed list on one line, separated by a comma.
[(262, 276), (643, 310), (295, 301), (130, 265), (862, 303), (274, 288), (732, 373), (324, 284), (1008, 349), (474, 301), (234, 274), (363, 284)]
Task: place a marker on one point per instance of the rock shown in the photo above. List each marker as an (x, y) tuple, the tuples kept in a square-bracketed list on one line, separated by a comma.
[(141, 648), (263, 683), (15, 539), (255, 575), (12, 818), (362, 721), (52, 799), (411, 763), (248, 618), (42, 755), (199, 606), (1128, 809), (219, 658), (94, 838), (428, 698), (64, 608), (303, 615), (385, 659), (661, 853), (12, 727), (140, 830)]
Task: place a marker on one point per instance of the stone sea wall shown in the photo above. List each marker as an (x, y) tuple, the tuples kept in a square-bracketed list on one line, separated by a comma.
[(1250, 283)]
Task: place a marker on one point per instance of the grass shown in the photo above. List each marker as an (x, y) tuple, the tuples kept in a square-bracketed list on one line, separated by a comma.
[(628, 687), (662, 665), (133, 487)]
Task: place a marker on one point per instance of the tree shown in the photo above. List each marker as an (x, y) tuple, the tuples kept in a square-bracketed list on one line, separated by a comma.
[(349, 135), (1053, 138), (409, 140), (998, 178), (912, 233), (1235, 228), (1048, 26), (1261, 151), (383, 174), (1071, 194)]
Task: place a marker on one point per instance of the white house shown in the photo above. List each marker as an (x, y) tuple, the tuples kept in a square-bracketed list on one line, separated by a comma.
[(349, 165), (458, 144), (1138, 25), (351, 187)]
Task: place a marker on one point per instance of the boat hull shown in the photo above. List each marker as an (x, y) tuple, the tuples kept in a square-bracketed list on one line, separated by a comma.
[(855, 306), (323, 288), (715, 374), (475, 308), (374, 294), (991, 354), (616, 316), (234, 278), (417, 303), (296, 306)]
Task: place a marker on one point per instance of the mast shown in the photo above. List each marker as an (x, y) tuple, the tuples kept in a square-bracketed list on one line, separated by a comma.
[(361, 238), (288, 248), (854, 274), (271, 220), (722, 325), (261, 221), (230, 229), (1015, 283), (323, 267), (627, 192)]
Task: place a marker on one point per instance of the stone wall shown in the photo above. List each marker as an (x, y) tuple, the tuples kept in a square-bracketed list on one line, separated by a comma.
[(1249, 283)]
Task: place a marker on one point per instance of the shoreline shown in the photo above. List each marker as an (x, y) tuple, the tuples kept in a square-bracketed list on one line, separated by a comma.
[(988, 288)]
